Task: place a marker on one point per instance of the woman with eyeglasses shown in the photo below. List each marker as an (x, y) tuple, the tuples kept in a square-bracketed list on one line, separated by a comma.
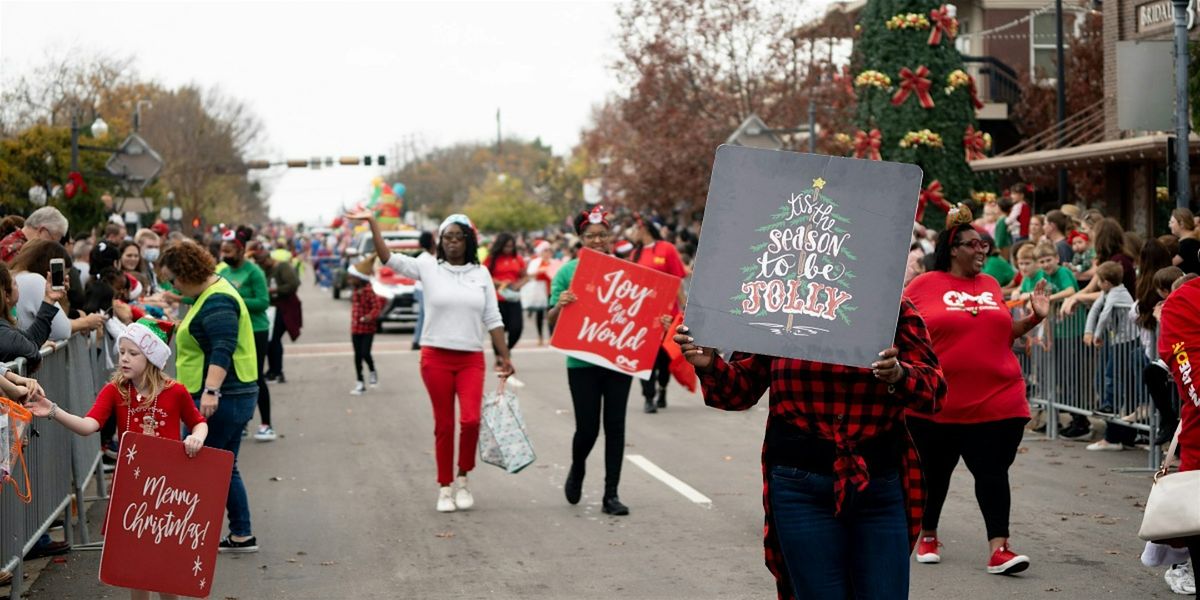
[(598, 395), (460, 310), (985, 411)]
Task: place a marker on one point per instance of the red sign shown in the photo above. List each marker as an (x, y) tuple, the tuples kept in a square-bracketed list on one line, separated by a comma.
[(616, 322), (164, 517)]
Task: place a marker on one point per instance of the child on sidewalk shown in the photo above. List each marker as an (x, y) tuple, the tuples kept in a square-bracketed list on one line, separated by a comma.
[(365, 306), (1109, 328), (142, 397)]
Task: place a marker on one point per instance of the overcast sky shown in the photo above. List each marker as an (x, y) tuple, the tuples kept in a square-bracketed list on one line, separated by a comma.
[(350, 78), (331, 79)]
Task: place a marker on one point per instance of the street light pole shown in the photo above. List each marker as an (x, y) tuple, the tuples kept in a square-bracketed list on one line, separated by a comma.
[(1061, 92), (812, 126), (1183, 195), (74, 143)]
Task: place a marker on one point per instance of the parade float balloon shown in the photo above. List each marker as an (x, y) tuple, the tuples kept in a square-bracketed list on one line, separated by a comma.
[(399, 189)]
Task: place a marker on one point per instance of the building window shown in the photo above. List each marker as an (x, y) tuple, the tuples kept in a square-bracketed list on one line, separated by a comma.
[(1043, 56)]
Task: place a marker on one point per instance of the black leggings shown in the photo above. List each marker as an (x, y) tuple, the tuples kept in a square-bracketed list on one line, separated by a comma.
[(514, 321), (362, 352), (261, 342), (275, 347), (539, 318), (1161, 387), (660, 376), (987, 448), (596, 390)]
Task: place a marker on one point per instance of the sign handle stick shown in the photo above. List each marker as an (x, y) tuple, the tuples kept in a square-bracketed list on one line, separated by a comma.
[(799, 273)]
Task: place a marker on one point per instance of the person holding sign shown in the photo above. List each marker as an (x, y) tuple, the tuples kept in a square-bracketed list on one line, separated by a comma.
[(843, 493), (595, 390), (460, 304), (652, 251), (986, 410), (143, 398)]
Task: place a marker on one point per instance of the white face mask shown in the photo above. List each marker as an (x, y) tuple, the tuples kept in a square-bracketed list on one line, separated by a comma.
[(150, 254)]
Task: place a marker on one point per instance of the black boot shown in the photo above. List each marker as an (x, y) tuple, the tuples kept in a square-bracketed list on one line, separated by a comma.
[(650, 409), (574, 486), (662, 397), (612, 505)]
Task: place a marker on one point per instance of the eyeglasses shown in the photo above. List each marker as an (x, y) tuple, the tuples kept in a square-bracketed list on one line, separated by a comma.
[(597, 237), (977, 245), (451, 236)]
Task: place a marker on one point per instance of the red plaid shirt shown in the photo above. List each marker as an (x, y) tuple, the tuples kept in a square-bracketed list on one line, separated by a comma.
[(365, 307), (846, 405), (11, 245)]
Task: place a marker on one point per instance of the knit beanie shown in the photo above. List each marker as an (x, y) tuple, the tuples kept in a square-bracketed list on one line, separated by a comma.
[(153, 338)]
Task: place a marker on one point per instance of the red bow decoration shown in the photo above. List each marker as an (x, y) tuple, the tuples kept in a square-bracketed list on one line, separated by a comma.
[(866, 145), (76, 185), (942, 23), (914, 82), (974, 143), (932, 193), (974, 93)]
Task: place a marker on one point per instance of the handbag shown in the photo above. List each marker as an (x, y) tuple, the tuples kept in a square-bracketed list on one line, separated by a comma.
[(1173, 508), (503, 440), (14, 421)]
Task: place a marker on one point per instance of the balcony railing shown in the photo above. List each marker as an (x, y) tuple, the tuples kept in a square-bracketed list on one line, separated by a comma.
[(994, 80)]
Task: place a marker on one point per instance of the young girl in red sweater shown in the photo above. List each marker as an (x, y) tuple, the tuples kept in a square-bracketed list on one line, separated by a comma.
[(143, 397)]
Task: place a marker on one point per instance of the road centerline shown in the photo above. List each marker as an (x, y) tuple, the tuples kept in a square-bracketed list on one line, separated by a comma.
[(670, 480)]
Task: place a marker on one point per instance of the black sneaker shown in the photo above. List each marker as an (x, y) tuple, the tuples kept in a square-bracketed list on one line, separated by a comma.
[(243, 547), (574, 485), (281, 379), (650, 409), (662, 397), (612, 506), (1074, 431)]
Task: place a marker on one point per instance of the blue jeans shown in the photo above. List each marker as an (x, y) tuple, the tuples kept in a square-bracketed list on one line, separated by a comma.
[(862, 554), (225, 432)]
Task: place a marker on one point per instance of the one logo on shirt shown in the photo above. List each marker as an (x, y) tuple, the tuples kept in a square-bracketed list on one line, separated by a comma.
[(957, 301), (1185, 372)]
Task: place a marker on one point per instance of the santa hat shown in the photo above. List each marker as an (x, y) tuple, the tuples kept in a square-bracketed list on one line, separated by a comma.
[(1074, 235), (153, 338), (624, 247)]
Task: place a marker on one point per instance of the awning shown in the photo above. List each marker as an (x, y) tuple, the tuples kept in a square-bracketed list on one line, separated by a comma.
[(1142, 148)]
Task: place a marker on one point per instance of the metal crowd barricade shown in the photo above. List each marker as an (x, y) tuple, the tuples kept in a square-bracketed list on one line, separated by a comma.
[(61, 464), (1064, 375)]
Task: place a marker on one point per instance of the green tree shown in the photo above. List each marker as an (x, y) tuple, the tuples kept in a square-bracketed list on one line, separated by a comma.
[(501, 204), (892, 41), (41, 155)]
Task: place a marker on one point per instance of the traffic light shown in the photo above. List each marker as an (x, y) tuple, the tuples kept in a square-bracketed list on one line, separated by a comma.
[(367, 161), (382, 160)]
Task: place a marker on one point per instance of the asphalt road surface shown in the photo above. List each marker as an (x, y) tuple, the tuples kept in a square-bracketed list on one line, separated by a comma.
[(343, 502)]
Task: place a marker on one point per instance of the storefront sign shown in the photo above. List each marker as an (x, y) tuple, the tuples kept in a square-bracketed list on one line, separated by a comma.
[(1160, 15)]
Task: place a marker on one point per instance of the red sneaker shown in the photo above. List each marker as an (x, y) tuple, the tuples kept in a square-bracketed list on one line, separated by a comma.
[(927, 550), (1006, 562)]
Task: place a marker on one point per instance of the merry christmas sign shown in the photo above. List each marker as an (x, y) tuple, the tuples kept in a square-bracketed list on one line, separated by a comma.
[(802, 255), (616, 322), (164, 517)]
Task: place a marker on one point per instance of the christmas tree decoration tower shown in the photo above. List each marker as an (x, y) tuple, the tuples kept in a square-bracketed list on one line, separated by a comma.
[(916, 103)]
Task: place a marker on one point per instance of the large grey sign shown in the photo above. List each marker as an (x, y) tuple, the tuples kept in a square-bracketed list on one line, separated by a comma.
[(802, 255)]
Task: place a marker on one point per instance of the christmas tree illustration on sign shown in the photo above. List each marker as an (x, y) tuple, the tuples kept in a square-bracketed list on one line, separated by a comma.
[(803, 267)]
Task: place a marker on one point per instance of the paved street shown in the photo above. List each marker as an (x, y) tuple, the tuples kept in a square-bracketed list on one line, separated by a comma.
[(343, 503)]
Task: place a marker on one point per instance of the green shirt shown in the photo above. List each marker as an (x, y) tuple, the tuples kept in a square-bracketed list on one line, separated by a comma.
[(1063, 278), (1000, 269), (1003, 239), (251, 284), (560, 284)]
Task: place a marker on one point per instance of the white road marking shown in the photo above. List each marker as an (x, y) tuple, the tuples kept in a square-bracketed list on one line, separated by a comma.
[(672, 482)]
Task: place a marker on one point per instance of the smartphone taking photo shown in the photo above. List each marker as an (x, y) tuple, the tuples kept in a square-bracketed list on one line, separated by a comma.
[(58, 274)]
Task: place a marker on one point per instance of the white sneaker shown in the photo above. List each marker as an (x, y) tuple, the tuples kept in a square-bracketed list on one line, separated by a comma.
[(462, 498), (359, 389), (445, 501), (265, 434), (373, 379), (1181, 579), (1105, 446), (514, 382)]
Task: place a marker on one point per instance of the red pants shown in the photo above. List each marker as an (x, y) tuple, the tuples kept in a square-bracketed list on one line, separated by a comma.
[(448, 373)]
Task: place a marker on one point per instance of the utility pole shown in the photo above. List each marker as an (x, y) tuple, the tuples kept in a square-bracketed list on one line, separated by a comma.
[(499, 147), (1183, 191), (1061, 92)]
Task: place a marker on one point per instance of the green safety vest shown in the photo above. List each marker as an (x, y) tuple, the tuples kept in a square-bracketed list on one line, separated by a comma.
[(189, 359)]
